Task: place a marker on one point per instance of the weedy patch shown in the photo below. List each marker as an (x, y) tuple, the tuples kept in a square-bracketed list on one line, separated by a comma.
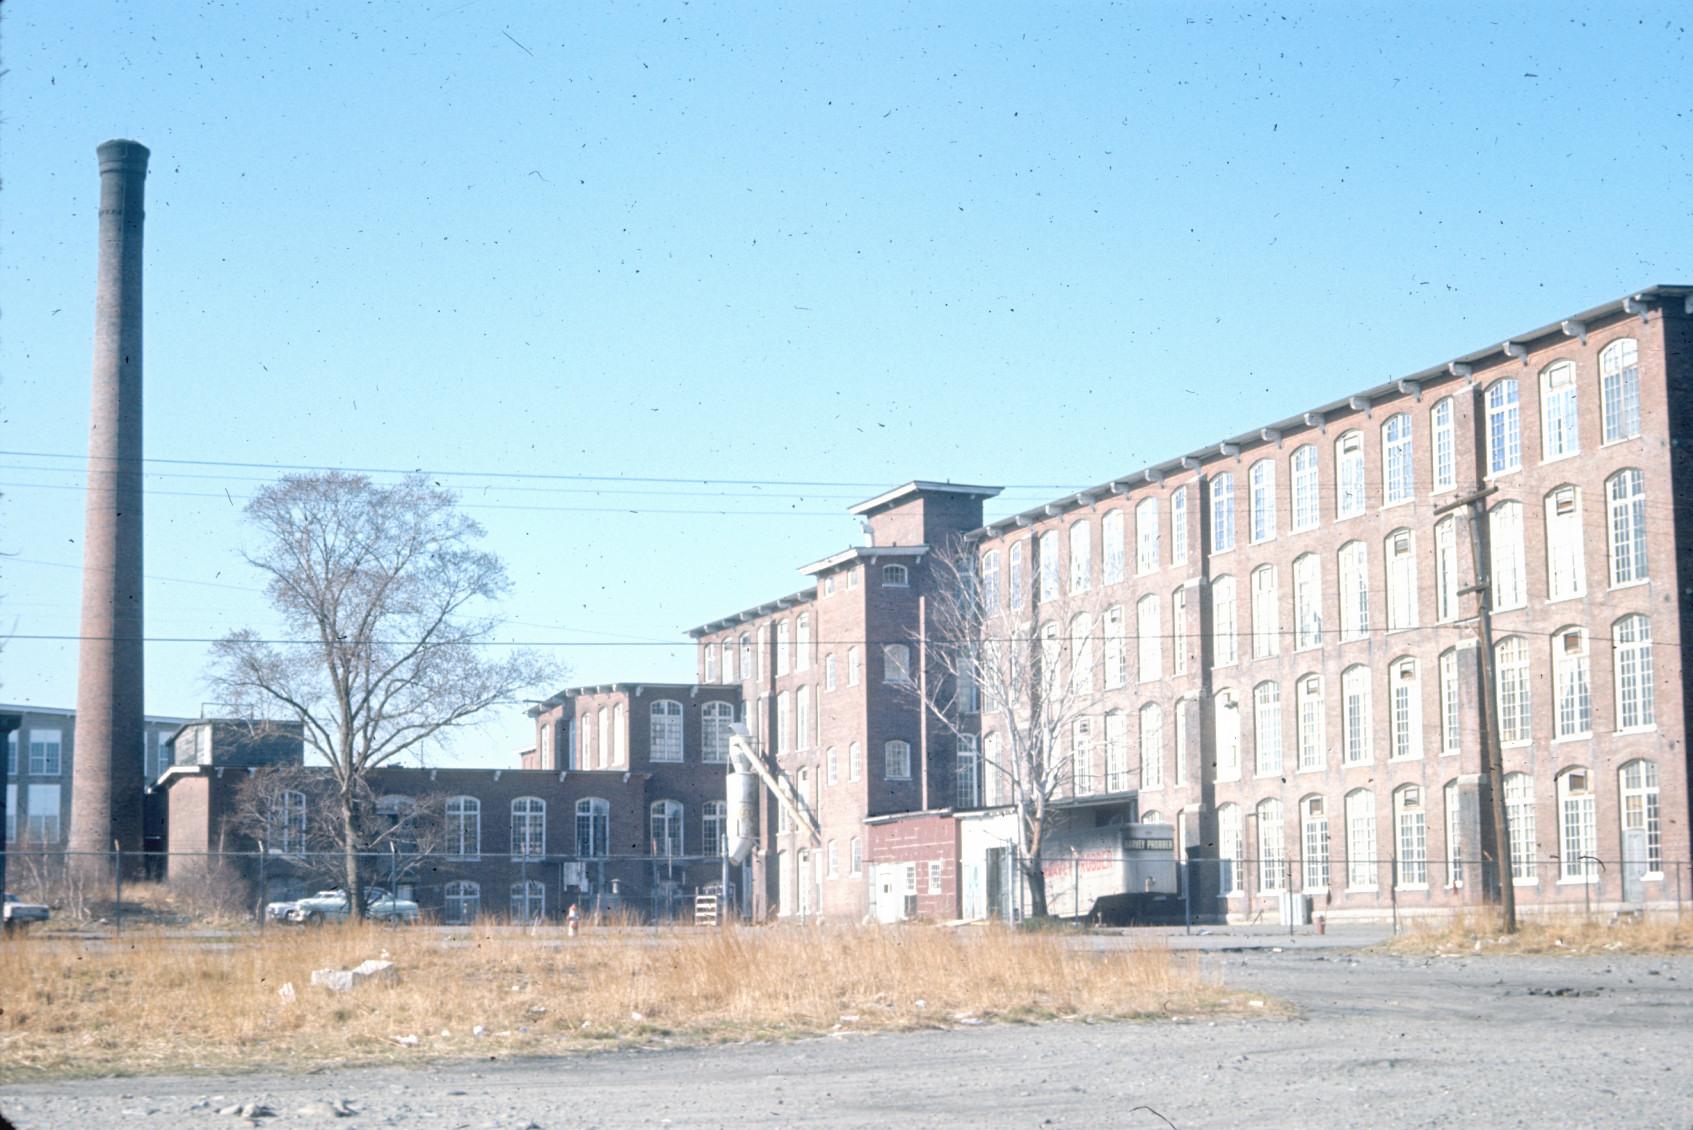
[(1573, 934), (156, 1003)]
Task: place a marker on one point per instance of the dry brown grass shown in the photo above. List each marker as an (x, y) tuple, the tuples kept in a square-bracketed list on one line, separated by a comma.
[(1560, 934), (155, 1003)]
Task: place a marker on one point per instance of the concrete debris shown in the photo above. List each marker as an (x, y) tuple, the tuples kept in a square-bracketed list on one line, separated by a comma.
[(406, 1041), (479, 1031), (341, 980), (251, 1111), (286, 992), (327, 1108)]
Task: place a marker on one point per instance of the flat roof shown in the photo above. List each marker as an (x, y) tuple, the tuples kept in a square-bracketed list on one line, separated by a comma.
[(921, 486), (804, 596), (863, 552), (635, 685)]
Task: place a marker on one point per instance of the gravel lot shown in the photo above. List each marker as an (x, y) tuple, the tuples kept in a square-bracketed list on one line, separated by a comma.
[(1379, 1041)]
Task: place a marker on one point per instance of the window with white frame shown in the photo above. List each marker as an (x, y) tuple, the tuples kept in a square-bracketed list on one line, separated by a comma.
[(1570, 684), (1406, 724), (896, 663), (714, 828), (593, 828), (1411, 823), (1446, 569), (1149, 639), (1305, 505), (619, 736), (1151, 720), (852, 579), (1047, 551), (967, 779), (854, 663), (1442, 453), (1266, 613), (729, 661), (528, 828), (1519, 820), (1625, 505), (855, 762), (709, 650), (1354, 591), (1454, 835), (1117, 757), (1222, 512), (464, 827), (1631, 657), (1361, 865), (1081, 653), (749, 666), (528, 902), (666, 730), (1560, 431), (1231, 848), (1226, 723), (1349, 475), (1619, 385), (1307, 601), (1401, 581), (1511, 664), (1578, 827), (1223, 627), (784, 723), (895, 576), (1566, 568), (1178, 623), (897, 760), (1272, 850), (1116, 648), (1642, 832), (1355, 715), (664, 828), (1017, 567), (585, 755), (991, 595), (1267, 728), (1146, 536), (784, 647), (856, 855), (1081, 556), (1261, 483), (1314, 841), (45, 752), (1449, 740), (1081, 756), (834, 861), (1397, 472), (1504, 427), (936, 869), (802, 643), (1112, 546), (1505, 548), (829, 672), (1309, 692), (1178, 526), (462, 902)]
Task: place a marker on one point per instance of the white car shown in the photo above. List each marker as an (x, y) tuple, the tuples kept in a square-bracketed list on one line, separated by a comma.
[(331, 906), (19, 914)]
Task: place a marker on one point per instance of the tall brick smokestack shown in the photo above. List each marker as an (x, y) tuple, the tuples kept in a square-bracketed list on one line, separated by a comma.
[(106, 778)]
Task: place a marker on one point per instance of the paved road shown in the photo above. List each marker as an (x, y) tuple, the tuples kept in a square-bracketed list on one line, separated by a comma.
[(1379, 1041)]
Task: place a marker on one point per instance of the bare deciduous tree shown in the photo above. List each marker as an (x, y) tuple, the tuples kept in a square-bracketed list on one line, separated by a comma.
[(1028, 672), (381, 588)]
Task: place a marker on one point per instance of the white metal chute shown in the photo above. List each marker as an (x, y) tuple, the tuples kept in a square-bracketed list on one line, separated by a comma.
[(746, 770)]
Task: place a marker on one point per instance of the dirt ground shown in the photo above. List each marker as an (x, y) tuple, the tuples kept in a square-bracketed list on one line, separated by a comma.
[(1378, 1041)]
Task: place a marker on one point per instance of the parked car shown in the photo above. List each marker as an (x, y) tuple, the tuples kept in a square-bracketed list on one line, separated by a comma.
[(331, 906), (18, 915)]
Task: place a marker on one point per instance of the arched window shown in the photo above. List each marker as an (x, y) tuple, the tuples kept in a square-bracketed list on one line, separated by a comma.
[(991, 596), (1411, 826), (1560, 431), (1117, 756), (464, 827), (1223, 648), (895, 576), (802, 642), (967, 779), (749, 666), (1361, 854), (1266, 613), (1570, 684), (1519, 820), (528, 902), (1230, 848), (1314, 843), (1151, 749), (593, 828), (1272, 848), (897, 760), (1446, 569), (1081, 756), (585, 755), (829, 672), (1016, 569), (1631, 656), (802, 718), (1047, 549), (1625, 504), (528, 827), (1149, 641), (714, 825), (288, 831), (1081, 653), (619, 737), (784, 647), (1397, 474), (666, 730), (1354, 591), (1511, 663), (1444, 467), (1308, 601), (784, 723), (1454, 835), (709, 650), (1401, 581), (603, 743), (664, 828), (1225, 710), (1449, 701), (1355, 714), (1222, 512), (1146, 535), (1619, 384), (1305, 508), (715, 720), (1642, 837), (729, 661), (1406, 722), (1349, 475), (1504, 427), (1112, 549), (1116, 644), (831, 766), (896, 663), (1178, 526), (1081, 556), (1267, 728), (1578, 827), (462, 902), (1507, 555), (1311, 728), (855, 761), (1261, 483), (1566, 569)]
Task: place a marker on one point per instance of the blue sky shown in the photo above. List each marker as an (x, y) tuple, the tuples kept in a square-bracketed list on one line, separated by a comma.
[(1033, 245)]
